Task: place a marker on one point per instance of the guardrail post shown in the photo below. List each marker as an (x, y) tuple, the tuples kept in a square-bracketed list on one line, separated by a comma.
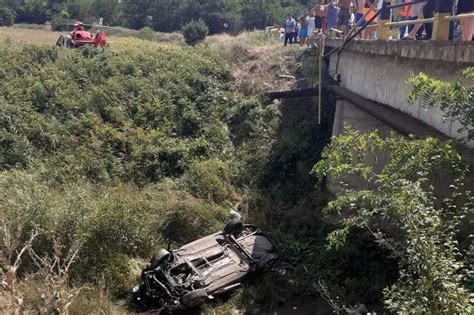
[(383, 31), (440, 25)]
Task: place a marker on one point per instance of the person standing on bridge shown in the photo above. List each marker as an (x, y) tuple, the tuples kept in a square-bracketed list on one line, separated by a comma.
[(417, 12), (290, 29), (467, 25), (344, 15), (404, 14), (318, 11), (310, 20), (303, 32), (332, 12), (359, 12)]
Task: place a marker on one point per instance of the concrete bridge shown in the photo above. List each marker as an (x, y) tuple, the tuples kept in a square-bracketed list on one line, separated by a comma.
[(372, 79), (378, 71)]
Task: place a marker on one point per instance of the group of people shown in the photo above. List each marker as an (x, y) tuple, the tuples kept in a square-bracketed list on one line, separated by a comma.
[(427, 10), (319, 19), (341, 15)]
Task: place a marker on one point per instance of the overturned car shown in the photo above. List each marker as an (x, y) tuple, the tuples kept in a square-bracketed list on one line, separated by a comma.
[(205, 268)]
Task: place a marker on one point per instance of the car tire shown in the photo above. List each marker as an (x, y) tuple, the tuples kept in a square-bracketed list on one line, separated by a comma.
[(61, 41), (195, 298), (234, 227), (161, 256)]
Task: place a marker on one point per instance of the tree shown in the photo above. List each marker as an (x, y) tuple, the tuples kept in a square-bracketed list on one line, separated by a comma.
[(424, 228), (219, 15), (6, 16), (165, 15), (34, 11), (110, 10), (195, 32), (81, 9), (455, 98), (260, 13), (136, 12)]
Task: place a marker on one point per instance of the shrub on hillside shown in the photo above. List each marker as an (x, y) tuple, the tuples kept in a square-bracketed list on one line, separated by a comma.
[(146, 33), (112, 226), (185, 219), (6, 16), (195, 32), (209, 180), (138, 112)]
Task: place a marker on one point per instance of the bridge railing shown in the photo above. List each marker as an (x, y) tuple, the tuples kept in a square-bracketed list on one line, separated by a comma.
[(441, 19)]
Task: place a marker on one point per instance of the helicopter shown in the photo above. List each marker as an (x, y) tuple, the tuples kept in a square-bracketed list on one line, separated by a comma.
[(79, 37)]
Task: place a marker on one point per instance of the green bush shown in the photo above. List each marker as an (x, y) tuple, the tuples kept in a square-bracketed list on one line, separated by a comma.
[(209, 180), (146, 33), (7, 16), (59, 24), (423, 229), (195, 32), (186, 219), (113, 225), (153, 112)]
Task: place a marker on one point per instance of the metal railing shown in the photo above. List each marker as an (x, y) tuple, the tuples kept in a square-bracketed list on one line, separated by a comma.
[(441, 20)]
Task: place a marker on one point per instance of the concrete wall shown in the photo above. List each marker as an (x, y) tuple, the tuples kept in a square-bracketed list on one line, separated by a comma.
[(379, 70), (349, 114)]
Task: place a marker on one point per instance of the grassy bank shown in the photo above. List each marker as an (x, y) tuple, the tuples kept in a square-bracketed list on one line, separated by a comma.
[(105, 154)]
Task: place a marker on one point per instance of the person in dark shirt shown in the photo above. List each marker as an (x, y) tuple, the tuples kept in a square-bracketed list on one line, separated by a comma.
[(428, 12), (344, 15)]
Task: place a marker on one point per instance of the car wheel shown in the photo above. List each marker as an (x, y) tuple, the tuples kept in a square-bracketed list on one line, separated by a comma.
[(234, 227), (61, 41), (161, 256), (195, 298)]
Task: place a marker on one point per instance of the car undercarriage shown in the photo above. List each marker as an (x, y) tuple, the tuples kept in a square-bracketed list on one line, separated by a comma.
[(200, 270)]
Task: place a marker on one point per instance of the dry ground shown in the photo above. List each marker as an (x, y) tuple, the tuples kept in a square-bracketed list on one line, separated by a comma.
[(41, 34), (19, 35), (260, 63)]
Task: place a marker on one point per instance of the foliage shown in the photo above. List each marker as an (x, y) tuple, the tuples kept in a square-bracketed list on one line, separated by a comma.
[(424, 235), (119, 151), (123, 120), (259, 14), (111, 225), (209, 180), (59, 24), (6, 16), (230, 16), (455, 98), (195, 32), (219, 15), (186, 219), (146, 33), (34, 11)]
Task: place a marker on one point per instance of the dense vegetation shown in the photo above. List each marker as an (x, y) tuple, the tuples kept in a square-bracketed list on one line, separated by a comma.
[(106, 155), (406, 215), (455, 98), (160, 15)]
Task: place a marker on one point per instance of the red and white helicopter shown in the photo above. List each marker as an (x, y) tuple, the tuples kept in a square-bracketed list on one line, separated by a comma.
[(79, 37)]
